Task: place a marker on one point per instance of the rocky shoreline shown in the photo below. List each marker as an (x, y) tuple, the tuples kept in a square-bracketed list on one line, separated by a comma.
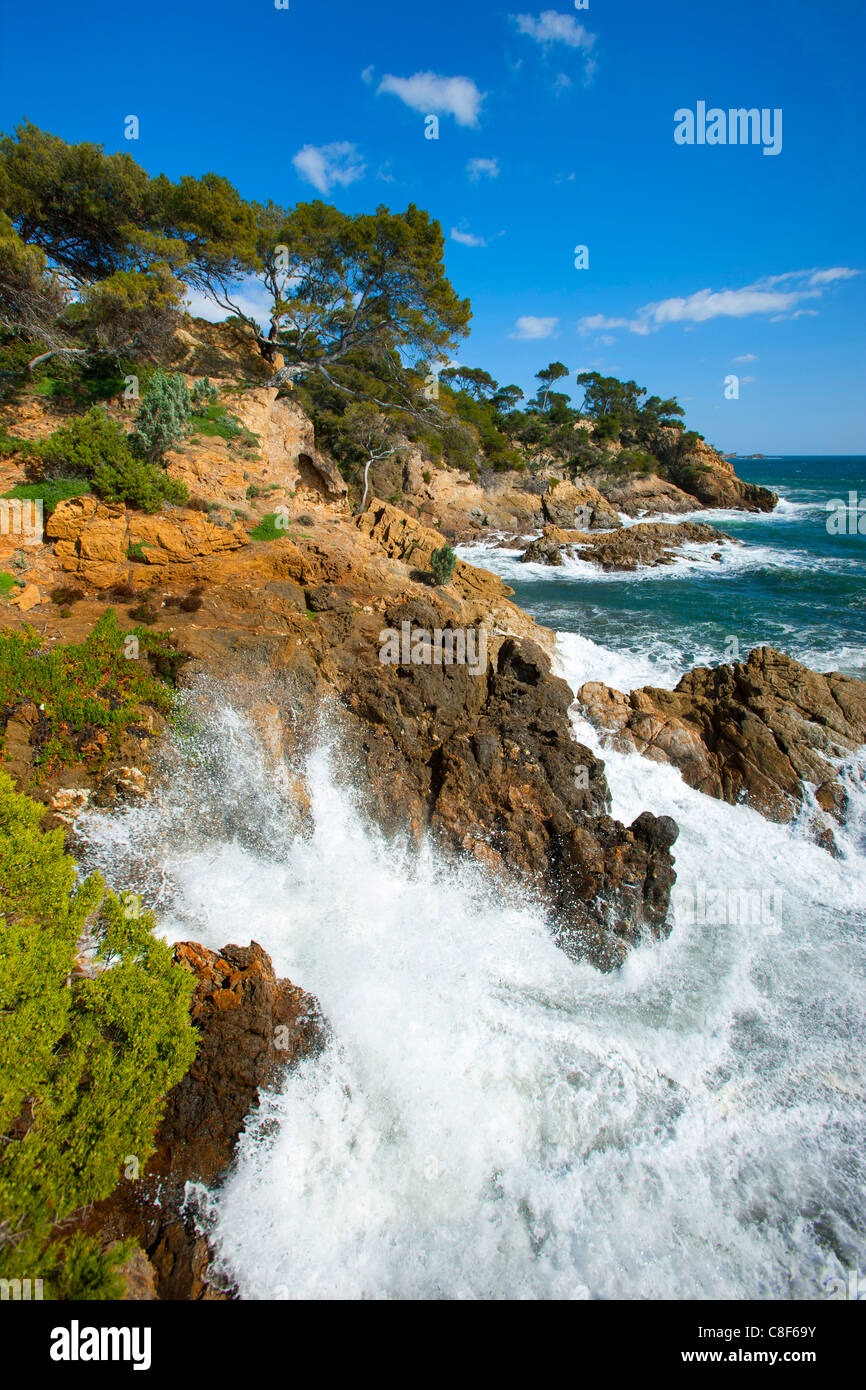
[(483, 761)]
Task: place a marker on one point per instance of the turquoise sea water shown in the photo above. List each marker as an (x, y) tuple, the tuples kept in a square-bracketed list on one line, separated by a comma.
[(790, 584)]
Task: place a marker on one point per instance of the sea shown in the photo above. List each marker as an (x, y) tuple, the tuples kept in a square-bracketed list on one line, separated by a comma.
[(489, 1118)]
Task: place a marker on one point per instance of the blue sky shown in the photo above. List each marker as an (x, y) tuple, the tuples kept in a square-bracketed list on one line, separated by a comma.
[(556, 129)]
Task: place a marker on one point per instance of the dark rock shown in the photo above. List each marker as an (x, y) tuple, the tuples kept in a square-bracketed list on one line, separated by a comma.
[(755, 731), (251, 1027)]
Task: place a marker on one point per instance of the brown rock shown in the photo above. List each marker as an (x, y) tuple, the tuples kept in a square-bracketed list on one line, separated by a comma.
[(26, 598), (646, 544), (251, 1026), (568, 506), (755, 731)]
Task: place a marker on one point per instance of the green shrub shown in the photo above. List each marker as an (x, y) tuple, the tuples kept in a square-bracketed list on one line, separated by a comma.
[(144, 613), (164, 414), (77, 449), (215, 422), (270, 528), (88, 1057), (443, 563), (203, 394), (92, 448), (81, 688), (138, 483)]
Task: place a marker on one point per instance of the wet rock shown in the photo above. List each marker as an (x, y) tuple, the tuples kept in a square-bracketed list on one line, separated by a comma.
[(647, 544), (756, 731), (251, 1027)]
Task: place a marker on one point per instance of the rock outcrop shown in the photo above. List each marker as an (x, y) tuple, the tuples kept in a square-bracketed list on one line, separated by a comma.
[(755, 731), (251, 1027), (96, 541), (580, 508), (709, 477), (646, 544)]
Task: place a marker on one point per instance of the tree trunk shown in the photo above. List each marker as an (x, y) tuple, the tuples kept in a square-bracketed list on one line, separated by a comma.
[(367, 467)]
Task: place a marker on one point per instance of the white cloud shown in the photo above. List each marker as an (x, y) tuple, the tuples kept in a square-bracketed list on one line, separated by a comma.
[(477, 168), (367, 74), (826, 277), (466, 238), (252, 299), (528, 326), (745, 380), (763, 297), (746, 357), (553, 27), (431, 94), (326, 165), (714, 304)]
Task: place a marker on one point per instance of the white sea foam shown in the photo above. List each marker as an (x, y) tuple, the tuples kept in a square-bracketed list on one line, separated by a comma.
[(492, 1119)]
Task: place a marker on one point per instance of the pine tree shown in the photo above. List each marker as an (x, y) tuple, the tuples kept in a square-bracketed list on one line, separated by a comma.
[(94, 1031)]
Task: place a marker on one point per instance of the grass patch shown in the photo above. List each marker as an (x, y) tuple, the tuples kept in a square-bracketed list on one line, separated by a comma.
[(87, 688), (267, 529), (217, 422), (7, 583), (51, 492)]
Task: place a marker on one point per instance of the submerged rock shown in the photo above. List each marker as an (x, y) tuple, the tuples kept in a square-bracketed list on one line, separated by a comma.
[(647, 544)]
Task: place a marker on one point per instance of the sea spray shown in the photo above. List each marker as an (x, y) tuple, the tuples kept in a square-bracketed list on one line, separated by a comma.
[(490, 1118)]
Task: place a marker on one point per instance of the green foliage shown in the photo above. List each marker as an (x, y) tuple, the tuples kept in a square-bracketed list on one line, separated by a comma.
[(7, 583), (97, 214), (338, 283), (163, 416), (546, 377), (270, 528), (50, 492), (139, 484), (215, 422), (85, 380), (619, 410), (78, 448), (89, 1054), (443, 563), (203, 394), (93, 448), (81, 689)]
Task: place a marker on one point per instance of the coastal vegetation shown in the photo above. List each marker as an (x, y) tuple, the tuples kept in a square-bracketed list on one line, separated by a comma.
[(94, 1031), (97, 256)]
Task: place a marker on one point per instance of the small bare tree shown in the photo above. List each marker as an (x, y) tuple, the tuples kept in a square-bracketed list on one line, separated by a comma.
[(370, 434)]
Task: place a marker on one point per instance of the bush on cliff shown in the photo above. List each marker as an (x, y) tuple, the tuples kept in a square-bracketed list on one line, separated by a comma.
[(94, 1032), (86, 692), (163, 417), (443, 563), (95, 448)]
